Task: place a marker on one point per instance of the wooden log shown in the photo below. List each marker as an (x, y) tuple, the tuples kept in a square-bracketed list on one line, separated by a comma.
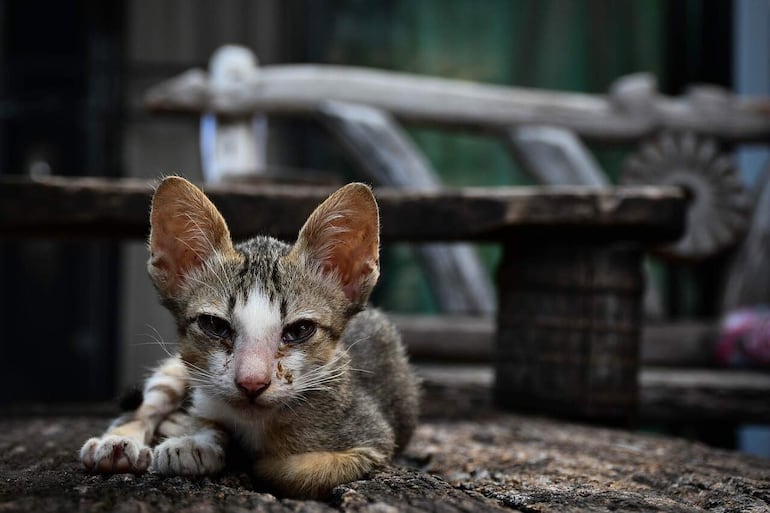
[(387, 156), (301, 89), (91, 207), (568, 328)]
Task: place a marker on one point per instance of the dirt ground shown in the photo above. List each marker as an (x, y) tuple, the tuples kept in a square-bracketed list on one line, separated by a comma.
[(464, 457)]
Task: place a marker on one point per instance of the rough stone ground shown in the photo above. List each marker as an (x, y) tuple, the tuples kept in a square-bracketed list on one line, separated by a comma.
[(464, 457)]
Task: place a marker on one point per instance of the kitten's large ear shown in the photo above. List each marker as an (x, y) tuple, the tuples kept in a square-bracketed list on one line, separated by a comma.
[(343, 236), (186, 229)]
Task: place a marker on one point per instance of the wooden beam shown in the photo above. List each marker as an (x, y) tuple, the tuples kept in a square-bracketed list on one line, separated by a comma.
[(92, 207), (679, 344), (443, 338), (666, 395), (627, 114), (700, 395)]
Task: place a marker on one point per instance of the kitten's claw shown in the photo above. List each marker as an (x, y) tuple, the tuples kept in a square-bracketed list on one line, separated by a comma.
[(188, 456), (115, 455)]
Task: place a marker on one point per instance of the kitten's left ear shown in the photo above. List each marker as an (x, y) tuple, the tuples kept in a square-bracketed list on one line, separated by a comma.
[(343, 236)]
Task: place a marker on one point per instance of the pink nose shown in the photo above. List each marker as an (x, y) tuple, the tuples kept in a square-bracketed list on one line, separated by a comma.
[(252, 387)]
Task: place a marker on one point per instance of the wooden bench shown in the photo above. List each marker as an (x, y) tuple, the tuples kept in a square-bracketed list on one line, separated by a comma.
[(569, 281)]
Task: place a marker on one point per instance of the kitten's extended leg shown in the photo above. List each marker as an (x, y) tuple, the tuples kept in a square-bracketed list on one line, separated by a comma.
[(199, 453), (124, 446), (314, 474)]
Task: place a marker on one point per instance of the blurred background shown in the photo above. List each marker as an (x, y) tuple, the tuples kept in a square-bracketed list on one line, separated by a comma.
[(79, 319)]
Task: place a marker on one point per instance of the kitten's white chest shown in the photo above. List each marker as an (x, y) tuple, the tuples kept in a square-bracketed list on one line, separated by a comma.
[(248, 427)]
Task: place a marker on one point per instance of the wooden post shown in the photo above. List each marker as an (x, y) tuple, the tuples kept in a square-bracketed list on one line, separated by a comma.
[(568, 330), (233, 146)]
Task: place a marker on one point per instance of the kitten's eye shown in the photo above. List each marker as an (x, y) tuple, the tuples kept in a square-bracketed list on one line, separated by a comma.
[(215, 327), (298, 331)]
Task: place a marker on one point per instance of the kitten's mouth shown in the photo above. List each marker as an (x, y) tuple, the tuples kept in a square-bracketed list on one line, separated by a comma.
[(244, 402), (258, 403)]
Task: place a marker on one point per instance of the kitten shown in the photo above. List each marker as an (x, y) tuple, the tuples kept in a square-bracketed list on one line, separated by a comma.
[(277, 351)]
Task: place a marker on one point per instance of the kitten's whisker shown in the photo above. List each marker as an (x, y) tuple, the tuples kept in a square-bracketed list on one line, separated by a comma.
[(158, 339), (357, 341)]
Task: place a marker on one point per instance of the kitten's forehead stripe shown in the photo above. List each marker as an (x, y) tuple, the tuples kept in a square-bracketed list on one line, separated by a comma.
[(275, 280), (231, 304), (258, 315), (261, 260)]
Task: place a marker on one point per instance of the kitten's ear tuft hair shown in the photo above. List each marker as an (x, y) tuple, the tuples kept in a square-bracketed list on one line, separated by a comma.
[(186, 229), (342, 235)]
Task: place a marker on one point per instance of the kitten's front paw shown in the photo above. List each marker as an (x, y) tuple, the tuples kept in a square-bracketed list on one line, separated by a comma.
[(188, 456), (115, 454)]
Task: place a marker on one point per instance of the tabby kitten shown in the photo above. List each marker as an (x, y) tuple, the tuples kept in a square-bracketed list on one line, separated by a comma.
[(277, 351)]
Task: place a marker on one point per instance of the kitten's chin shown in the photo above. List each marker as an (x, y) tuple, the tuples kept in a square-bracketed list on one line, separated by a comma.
[(251, 403)]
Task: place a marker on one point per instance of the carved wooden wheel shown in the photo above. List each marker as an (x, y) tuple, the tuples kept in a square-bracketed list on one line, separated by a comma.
[(719, 210)]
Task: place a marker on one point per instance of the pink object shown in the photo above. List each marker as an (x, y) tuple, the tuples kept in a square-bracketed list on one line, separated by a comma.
[(745, 338)]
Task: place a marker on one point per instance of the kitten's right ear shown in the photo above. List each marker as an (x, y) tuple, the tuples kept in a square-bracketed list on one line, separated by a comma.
[(186, 229), (342, 236)]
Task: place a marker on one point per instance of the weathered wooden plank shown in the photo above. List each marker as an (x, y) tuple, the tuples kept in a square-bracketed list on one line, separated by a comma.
[(91, 207), (679, 344), (301, 89), (447, 338), (465, 339), (700, 395), (666, 395)]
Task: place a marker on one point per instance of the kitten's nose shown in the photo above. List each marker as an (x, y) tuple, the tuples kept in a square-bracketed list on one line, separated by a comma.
[(252, 387)]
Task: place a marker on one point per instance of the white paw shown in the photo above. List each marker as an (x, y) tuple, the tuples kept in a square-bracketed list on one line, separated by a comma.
[(115, 454), (188, 456)]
